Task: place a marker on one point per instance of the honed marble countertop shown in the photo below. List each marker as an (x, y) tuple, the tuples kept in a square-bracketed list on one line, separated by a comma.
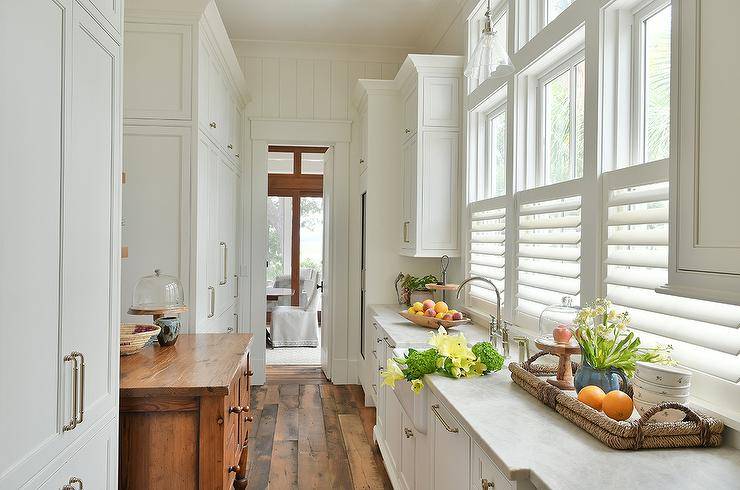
[(528, 440)]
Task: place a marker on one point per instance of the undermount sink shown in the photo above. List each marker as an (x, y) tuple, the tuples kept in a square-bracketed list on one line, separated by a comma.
[(414, 405)]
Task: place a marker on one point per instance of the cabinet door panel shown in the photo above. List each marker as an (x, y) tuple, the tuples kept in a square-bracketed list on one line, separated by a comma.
[(408, 457), (214, 102), (226, 234), (94, 464), (449, 472), (411, 113), (204, 74), (393, 429), (439, 202), (90, 258), (33, 115), (484, 469), (441, 102), (410, 184)]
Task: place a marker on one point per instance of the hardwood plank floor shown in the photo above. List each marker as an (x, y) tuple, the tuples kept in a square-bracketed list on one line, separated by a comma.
[(309, 434)]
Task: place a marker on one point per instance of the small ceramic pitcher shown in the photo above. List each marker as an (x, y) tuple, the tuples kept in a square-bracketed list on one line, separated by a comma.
[(170, 326), (606, 379)]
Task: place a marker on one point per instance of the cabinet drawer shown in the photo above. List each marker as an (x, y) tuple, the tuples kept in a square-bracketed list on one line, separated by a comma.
[(485, 474)]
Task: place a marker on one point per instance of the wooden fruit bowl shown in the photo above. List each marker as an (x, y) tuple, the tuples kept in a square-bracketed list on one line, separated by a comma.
[(430, 322)]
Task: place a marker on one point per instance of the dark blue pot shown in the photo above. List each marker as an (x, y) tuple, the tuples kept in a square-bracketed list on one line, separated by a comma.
[(606, 379), (170, 326)]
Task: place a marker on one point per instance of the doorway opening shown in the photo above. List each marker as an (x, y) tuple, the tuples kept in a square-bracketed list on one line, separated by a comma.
[(295, 254)]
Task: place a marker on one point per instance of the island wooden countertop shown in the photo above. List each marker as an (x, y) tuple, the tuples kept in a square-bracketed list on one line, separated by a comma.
[(197, 365)]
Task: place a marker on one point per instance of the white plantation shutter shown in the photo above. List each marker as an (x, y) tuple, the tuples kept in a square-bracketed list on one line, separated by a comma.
[(548, 254), (705, 335), (487, 248)]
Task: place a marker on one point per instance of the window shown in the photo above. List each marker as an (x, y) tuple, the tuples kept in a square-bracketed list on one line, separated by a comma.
[(487, 133), (553, 8), (561, 123), (655, 84), (636, 88), (703, 334), (548, 255), (487, 251)]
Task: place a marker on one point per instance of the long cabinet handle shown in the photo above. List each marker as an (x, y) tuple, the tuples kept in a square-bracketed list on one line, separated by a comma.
[(212, 309), (236, 281), (236, 321), (72, 481), (75, 371), (226, 264), (406, 232), (435, 409), (81, 387)]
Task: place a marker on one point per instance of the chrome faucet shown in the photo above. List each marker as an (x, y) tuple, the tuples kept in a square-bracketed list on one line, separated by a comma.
[(496, 329)]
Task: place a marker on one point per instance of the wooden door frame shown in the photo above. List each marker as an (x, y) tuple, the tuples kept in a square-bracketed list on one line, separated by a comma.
[(295, 186), (338, 360)]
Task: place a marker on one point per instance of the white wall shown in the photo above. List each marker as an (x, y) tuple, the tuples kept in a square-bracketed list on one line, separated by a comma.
[(289, 81)]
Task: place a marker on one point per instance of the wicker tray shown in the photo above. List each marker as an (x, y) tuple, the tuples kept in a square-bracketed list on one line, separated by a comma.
[(130, 342), (696, 430)]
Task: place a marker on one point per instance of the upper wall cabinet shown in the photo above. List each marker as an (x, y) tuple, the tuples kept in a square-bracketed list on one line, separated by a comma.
[(705, 252), (429, 88)]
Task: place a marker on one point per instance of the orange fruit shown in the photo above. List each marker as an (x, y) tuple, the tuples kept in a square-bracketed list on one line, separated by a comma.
[(617, 405), (441, 307), (592, 396)]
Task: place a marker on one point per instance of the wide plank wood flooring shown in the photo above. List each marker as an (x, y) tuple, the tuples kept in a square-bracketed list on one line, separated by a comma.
[(310, 434)]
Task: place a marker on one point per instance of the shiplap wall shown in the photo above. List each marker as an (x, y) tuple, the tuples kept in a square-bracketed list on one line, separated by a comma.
[(309, 83)]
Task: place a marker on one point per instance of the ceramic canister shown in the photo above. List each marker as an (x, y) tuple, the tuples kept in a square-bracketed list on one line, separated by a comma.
[(170, 326)]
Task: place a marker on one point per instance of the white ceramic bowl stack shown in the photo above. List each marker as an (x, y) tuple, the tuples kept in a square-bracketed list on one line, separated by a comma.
[(654, 384)]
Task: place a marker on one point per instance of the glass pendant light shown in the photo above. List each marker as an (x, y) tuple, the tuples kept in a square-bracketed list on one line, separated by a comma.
[(489, 59)]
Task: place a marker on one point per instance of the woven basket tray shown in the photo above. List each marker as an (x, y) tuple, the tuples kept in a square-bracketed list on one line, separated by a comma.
[(696, 430), (131, 343)]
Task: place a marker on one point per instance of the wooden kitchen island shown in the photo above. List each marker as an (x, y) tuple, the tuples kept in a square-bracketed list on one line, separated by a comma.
[(185, 414)]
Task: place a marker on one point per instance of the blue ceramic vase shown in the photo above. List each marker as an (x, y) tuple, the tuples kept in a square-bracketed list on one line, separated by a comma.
[(606, 379), (170, 326)]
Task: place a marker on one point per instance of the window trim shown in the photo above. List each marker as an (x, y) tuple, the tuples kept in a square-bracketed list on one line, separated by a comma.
[(540, 162), (487, 120)]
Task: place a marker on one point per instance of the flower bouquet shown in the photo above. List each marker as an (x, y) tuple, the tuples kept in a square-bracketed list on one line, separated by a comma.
[(449, 356)]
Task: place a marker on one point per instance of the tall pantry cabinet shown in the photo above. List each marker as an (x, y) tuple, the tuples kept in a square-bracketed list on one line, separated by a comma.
[(183, 106), (60, 181)]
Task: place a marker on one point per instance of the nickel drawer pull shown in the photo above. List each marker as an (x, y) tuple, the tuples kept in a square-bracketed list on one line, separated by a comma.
[(226, 253), (405, 232), (75, 370), (237, 409), (385, 339), (212, 310), (447, 427), (213, 125), (236, 280), (82, 388), (485, 484)]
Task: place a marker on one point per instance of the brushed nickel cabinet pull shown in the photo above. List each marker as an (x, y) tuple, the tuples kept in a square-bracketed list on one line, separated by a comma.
[(406, 231), (447, 427), (408, 432), (81, 386), (485, 484), (407, 130), (213, 125), (226, 252), (212, 311), (236, 409), (75, 370), (237, 155), (236, 281), (236, 322), (230, 146), (72, 481)]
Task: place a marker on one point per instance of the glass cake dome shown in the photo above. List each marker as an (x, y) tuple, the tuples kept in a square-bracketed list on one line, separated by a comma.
[(158, 292), (562, 314)]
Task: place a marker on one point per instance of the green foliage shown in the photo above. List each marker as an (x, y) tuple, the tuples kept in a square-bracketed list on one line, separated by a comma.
[(486, 354), (418, 363), (413, 283)]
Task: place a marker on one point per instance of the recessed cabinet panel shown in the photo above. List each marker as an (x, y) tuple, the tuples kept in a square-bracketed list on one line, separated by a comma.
[(410, 184), (90, 258), (32, 119), (448, 438), (441, 101), (158, 84), (438, 230)]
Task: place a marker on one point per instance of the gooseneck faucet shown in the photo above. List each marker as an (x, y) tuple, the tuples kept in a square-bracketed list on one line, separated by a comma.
[(496, 329)]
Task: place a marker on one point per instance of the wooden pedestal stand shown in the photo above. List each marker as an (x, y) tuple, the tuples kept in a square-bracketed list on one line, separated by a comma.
[(157, 313), (442, 287), (564, 377)]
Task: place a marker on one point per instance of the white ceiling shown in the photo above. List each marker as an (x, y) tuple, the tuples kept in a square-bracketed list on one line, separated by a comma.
[(398, 23)]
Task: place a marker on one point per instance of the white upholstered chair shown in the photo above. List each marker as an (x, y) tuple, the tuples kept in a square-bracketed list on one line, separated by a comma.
[(296, 326)]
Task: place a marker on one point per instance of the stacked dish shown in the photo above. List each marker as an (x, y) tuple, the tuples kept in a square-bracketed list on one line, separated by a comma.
[(654, 384)]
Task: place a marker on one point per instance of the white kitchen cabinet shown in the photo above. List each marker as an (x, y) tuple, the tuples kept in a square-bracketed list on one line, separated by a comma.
[(450, 447), (189, 58), (408, 461), (485, 474), (60, 175), (430, 98), (393, 431), (705, 241)]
